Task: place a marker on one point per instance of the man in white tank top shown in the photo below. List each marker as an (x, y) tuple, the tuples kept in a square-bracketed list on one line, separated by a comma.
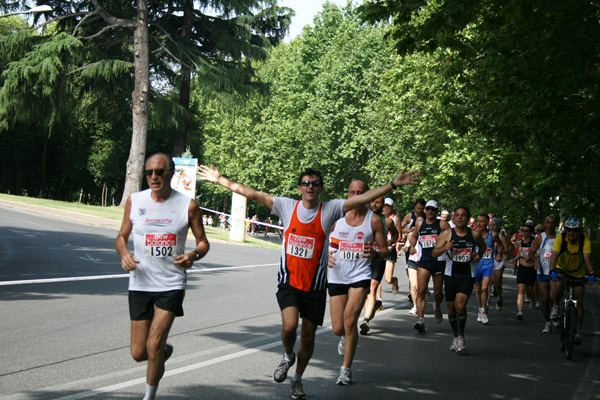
[(351, 252), (159, 218)]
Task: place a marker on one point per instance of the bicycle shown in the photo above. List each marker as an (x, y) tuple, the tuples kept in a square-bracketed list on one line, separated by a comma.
[(568, 318)]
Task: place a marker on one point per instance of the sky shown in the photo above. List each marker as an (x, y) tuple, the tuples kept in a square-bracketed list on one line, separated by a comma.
[(305, 12)]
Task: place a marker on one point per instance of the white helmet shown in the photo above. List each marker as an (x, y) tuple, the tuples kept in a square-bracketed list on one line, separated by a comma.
[(573, 223)]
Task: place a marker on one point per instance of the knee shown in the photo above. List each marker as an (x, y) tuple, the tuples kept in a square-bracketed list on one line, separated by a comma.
[(139, 354), (288, 330), (339, 330)]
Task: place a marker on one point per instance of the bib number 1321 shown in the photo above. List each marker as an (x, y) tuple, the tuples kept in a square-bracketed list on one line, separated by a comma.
[(300, 246)]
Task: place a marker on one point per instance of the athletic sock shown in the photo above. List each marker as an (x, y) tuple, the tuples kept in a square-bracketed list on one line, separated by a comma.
[(150, 392), (462, 321), (290, 357), (297, 377), (453, 324)]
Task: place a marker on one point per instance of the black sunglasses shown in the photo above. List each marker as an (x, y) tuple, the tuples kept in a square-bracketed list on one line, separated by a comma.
[(430, 209), (314, 183), (524, 230), (158, 172)]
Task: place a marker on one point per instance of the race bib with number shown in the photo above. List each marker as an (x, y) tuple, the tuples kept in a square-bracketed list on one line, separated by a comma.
[(487, 253), (160, 244), (351, 251), (300, 246), (547, 256), (428, 241), (524, 251), (461, 255)]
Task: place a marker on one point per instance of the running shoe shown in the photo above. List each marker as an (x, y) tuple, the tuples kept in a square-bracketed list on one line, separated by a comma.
[(437, 314), (345, 377), (364, 327), (577, 338), (484, 317), (538, 305), (341, 346), (479, 315), (532, 305), (168, 351), (500, 303), (395, 286), (554, 316), (547, 327), (420, 325), (454, 343), (413, 311), (297, 390), (460, 344), (282, 369), (379, 304), (520, 316)]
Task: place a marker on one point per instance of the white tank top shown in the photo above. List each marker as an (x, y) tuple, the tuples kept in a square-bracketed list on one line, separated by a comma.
[(545, 254), (159, 233), (350, 265)]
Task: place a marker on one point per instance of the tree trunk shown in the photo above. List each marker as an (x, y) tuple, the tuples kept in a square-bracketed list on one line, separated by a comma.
[(137, 152), (184, 90)]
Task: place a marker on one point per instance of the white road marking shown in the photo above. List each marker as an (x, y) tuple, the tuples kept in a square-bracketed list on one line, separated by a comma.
[(116, 276)]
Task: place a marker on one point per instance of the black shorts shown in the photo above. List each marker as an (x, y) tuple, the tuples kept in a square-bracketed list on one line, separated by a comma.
[(575, 282), (434, 267), (141, 304), (412, 264), (311, 304), (393, 254), (377, 270), (456, 284), (338, 289), (526, 275)]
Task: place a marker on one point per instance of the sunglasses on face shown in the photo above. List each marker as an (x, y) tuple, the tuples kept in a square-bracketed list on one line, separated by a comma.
[(524, 230), (314, 183), (158, 172), (430, 209)]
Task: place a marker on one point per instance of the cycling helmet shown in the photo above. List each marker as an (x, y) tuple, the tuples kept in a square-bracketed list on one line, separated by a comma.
[(573, 223)]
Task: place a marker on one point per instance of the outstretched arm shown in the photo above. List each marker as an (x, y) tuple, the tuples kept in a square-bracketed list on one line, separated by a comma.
[(212, 174), (403, 178)]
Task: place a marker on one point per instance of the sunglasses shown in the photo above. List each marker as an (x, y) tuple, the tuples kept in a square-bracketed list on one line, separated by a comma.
[(430, 209), (314, 183), (158, 172), (524, 230)]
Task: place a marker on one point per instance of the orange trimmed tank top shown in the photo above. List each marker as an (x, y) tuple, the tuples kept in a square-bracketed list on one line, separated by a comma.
[(302, 266)]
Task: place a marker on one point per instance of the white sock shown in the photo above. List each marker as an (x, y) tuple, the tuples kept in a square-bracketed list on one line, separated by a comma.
[(297, 377), (150, 392), (289, 357)]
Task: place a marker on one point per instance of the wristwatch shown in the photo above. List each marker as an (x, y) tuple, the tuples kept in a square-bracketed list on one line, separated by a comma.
[(198, 255)]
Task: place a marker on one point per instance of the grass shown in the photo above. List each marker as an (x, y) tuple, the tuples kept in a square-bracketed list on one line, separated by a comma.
[(116, 214)]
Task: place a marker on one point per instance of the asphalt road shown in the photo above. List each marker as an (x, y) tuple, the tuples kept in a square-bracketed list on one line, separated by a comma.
[(65, 332)]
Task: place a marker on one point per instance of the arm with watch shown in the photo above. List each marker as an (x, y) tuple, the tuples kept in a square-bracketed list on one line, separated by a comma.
[(186, 260)]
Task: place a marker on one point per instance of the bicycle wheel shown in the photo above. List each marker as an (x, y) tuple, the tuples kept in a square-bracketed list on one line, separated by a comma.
[(571, 323), (562, 327)]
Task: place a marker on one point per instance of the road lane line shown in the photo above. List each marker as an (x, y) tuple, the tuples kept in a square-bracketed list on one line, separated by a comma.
[(116, 276)]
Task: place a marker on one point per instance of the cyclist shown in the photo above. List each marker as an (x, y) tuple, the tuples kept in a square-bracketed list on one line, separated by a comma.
[(571, 255)]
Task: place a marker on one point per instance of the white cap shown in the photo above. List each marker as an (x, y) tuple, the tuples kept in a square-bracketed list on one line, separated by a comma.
[(389, 201), (444, 212), (432, 203)]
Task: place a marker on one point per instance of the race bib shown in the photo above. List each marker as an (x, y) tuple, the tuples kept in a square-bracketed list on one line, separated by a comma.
[(351, 251), (300, 246), (428, 241), (524, 251), (461, 255), (487, 253), (160, 244), (547, 256)]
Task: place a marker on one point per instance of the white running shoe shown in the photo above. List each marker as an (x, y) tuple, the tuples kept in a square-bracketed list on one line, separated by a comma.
[(547, 328), (345, 377), (341, 346), (454, 343), (413, 311), (420, 325), (460, 344), (554, 316), (484, 317), (479, 315)]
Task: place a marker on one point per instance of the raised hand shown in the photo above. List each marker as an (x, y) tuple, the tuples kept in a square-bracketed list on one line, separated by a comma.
[(210, 174), (407, 178)]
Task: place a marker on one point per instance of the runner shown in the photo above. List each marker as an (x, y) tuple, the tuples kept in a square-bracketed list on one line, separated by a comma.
[(459, 276), (544, 244), (411, 268), (408, 225), (377, 269), (351, 249), (303, 268), (159, 218), (429, 266), (485, 267), (501, 252), (390, 261), (526, 274)]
